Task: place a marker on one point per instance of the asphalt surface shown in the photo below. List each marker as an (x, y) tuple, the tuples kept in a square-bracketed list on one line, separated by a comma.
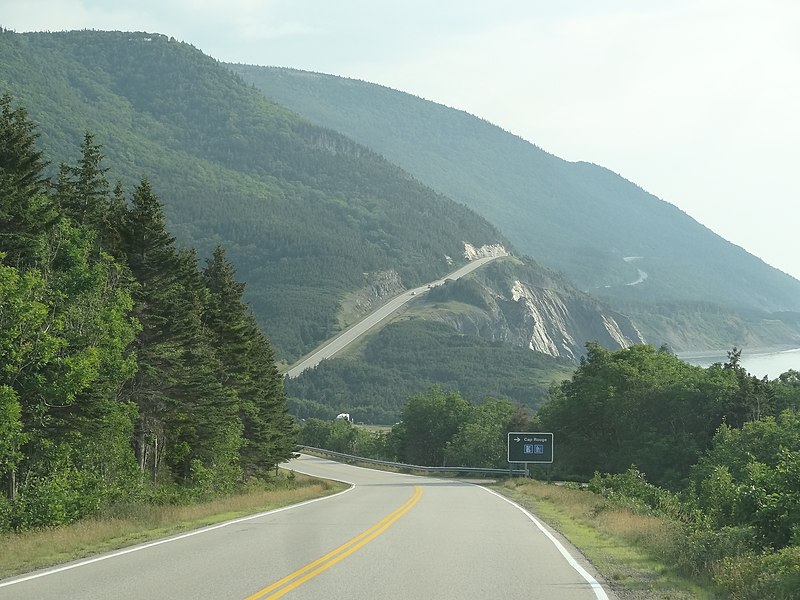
[(389, 536), (347, 337)]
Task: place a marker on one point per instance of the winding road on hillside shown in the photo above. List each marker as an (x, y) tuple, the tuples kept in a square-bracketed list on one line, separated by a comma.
[(389, 536), (348, 336)]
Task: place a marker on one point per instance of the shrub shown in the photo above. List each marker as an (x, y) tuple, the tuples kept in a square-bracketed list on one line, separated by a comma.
[(773, 575), (632, 490), (702, 550)]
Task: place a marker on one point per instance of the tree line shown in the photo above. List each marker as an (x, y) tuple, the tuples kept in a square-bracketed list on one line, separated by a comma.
[(127, 373)]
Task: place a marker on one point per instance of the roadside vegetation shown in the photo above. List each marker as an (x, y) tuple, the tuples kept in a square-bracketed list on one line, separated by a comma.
[(631, 550), (131, 524)]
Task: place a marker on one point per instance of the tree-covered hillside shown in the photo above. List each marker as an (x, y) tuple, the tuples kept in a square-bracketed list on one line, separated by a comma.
[(601, 230), (305, 214)]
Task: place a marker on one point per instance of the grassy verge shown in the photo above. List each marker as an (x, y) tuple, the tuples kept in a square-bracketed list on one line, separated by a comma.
[(23, 552), (620, 544)]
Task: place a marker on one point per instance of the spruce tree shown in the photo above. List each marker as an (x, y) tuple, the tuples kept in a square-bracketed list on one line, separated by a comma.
[(112, 229), (249, 369), (271, 432), (151, 256), (26, 212), (188, 420), (83, 191), (207, 424)]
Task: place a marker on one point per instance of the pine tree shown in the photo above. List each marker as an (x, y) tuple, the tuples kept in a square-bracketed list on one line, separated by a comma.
[(112, 229), (249, 369), (270, 431), (188, 421), (83, 191), (21, 164), (207, 424), (151, 256), (26, 212)]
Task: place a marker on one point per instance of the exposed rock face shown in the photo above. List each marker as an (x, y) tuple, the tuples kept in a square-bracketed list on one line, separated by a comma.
[(545, 319), (561, 326), (472, 253), (385, 284)]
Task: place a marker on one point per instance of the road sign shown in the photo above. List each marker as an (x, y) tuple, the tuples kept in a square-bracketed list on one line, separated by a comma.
[(527, 447)]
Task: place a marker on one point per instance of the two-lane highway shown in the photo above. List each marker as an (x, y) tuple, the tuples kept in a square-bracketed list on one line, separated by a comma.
[(347, 337), (389, 536)]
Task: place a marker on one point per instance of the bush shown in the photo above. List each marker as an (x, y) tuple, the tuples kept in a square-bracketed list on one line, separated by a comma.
[(773, 575), (701, 551), (631, 489), (5, 515)]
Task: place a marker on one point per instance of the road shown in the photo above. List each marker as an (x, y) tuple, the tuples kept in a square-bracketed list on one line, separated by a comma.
[(350, 335), (389, 536)]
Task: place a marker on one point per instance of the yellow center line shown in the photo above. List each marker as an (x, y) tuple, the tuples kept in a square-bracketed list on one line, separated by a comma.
[(311, 570)]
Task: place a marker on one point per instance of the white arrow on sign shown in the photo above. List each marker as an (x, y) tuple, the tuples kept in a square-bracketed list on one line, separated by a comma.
[(516, 439)]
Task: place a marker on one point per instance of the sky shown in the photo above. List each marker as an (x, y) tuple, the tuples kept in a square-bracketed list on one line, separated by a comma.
[(696, 101)]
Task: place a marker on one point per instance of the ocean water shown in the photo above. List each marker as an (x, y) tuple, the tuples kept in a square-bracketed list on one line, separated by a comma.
[(760, 364)]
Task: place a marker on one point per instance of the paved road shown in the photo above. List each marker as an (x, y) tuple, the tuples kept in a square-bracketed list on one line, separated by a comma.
[(390, 536), (344, 339)]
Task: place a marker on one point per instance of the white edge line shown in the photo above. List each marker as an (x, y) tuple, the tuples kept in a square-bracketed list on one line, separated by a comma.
[(599, 592), (169, 539)]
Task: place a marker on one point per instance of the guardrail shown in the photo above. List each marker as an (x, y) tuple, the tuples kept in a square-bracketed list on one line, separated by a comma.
[(386, 463)]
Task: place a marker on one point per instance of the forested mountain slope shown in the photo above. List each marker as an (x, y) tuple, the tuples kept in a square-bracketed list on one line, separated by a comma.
[(601, 230), (305, 214)]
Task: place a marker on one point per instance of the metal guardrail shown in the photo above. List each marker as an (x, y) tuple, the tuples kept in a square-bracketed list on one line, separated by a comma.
[(386, 463)]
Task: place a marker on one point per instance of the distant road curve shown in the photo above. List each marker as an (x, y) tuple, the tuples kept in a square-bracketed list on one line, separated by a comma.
[(348, 336)]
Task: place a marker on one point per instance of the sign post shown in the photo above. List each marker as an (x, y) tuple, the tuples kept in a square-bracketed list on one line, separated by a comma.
[(529, 447)]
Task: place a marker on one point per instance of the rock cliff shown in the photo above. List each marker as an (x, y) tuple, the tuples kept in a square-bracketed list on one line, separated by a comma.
[(526, 305)]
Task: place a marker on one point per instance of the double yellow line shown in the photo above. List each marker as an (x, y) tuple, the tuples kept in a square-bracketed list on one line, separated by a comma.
[(311, 570)]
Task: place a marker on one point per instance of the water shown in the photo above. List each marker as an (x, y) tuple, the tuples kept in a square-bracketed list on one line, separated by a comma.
[(760, 364)]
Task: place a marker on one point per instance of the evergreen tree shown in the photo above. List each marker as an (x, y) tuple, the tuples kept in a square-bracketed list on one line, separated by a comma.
[(83, 191), (21, 162), (91, 183), (248, 368), (26, 212), (151, 256), (204, 417), (112, 229), (187, 420), (270, 430)]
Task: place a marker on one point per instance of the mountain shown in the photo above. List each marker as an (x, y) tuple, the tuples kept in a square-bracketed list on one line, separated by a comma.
[(611, 237), (320, 227), (307, 216)]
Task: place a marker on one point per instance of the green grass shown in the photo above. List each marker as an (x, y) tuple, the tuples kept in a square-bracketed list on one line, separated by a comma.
[(622, 546), (26, 551)]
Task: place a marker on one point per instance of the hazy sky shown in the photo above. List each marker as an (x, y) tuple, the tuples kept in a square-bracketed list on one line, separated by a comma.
[(696, 101)]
